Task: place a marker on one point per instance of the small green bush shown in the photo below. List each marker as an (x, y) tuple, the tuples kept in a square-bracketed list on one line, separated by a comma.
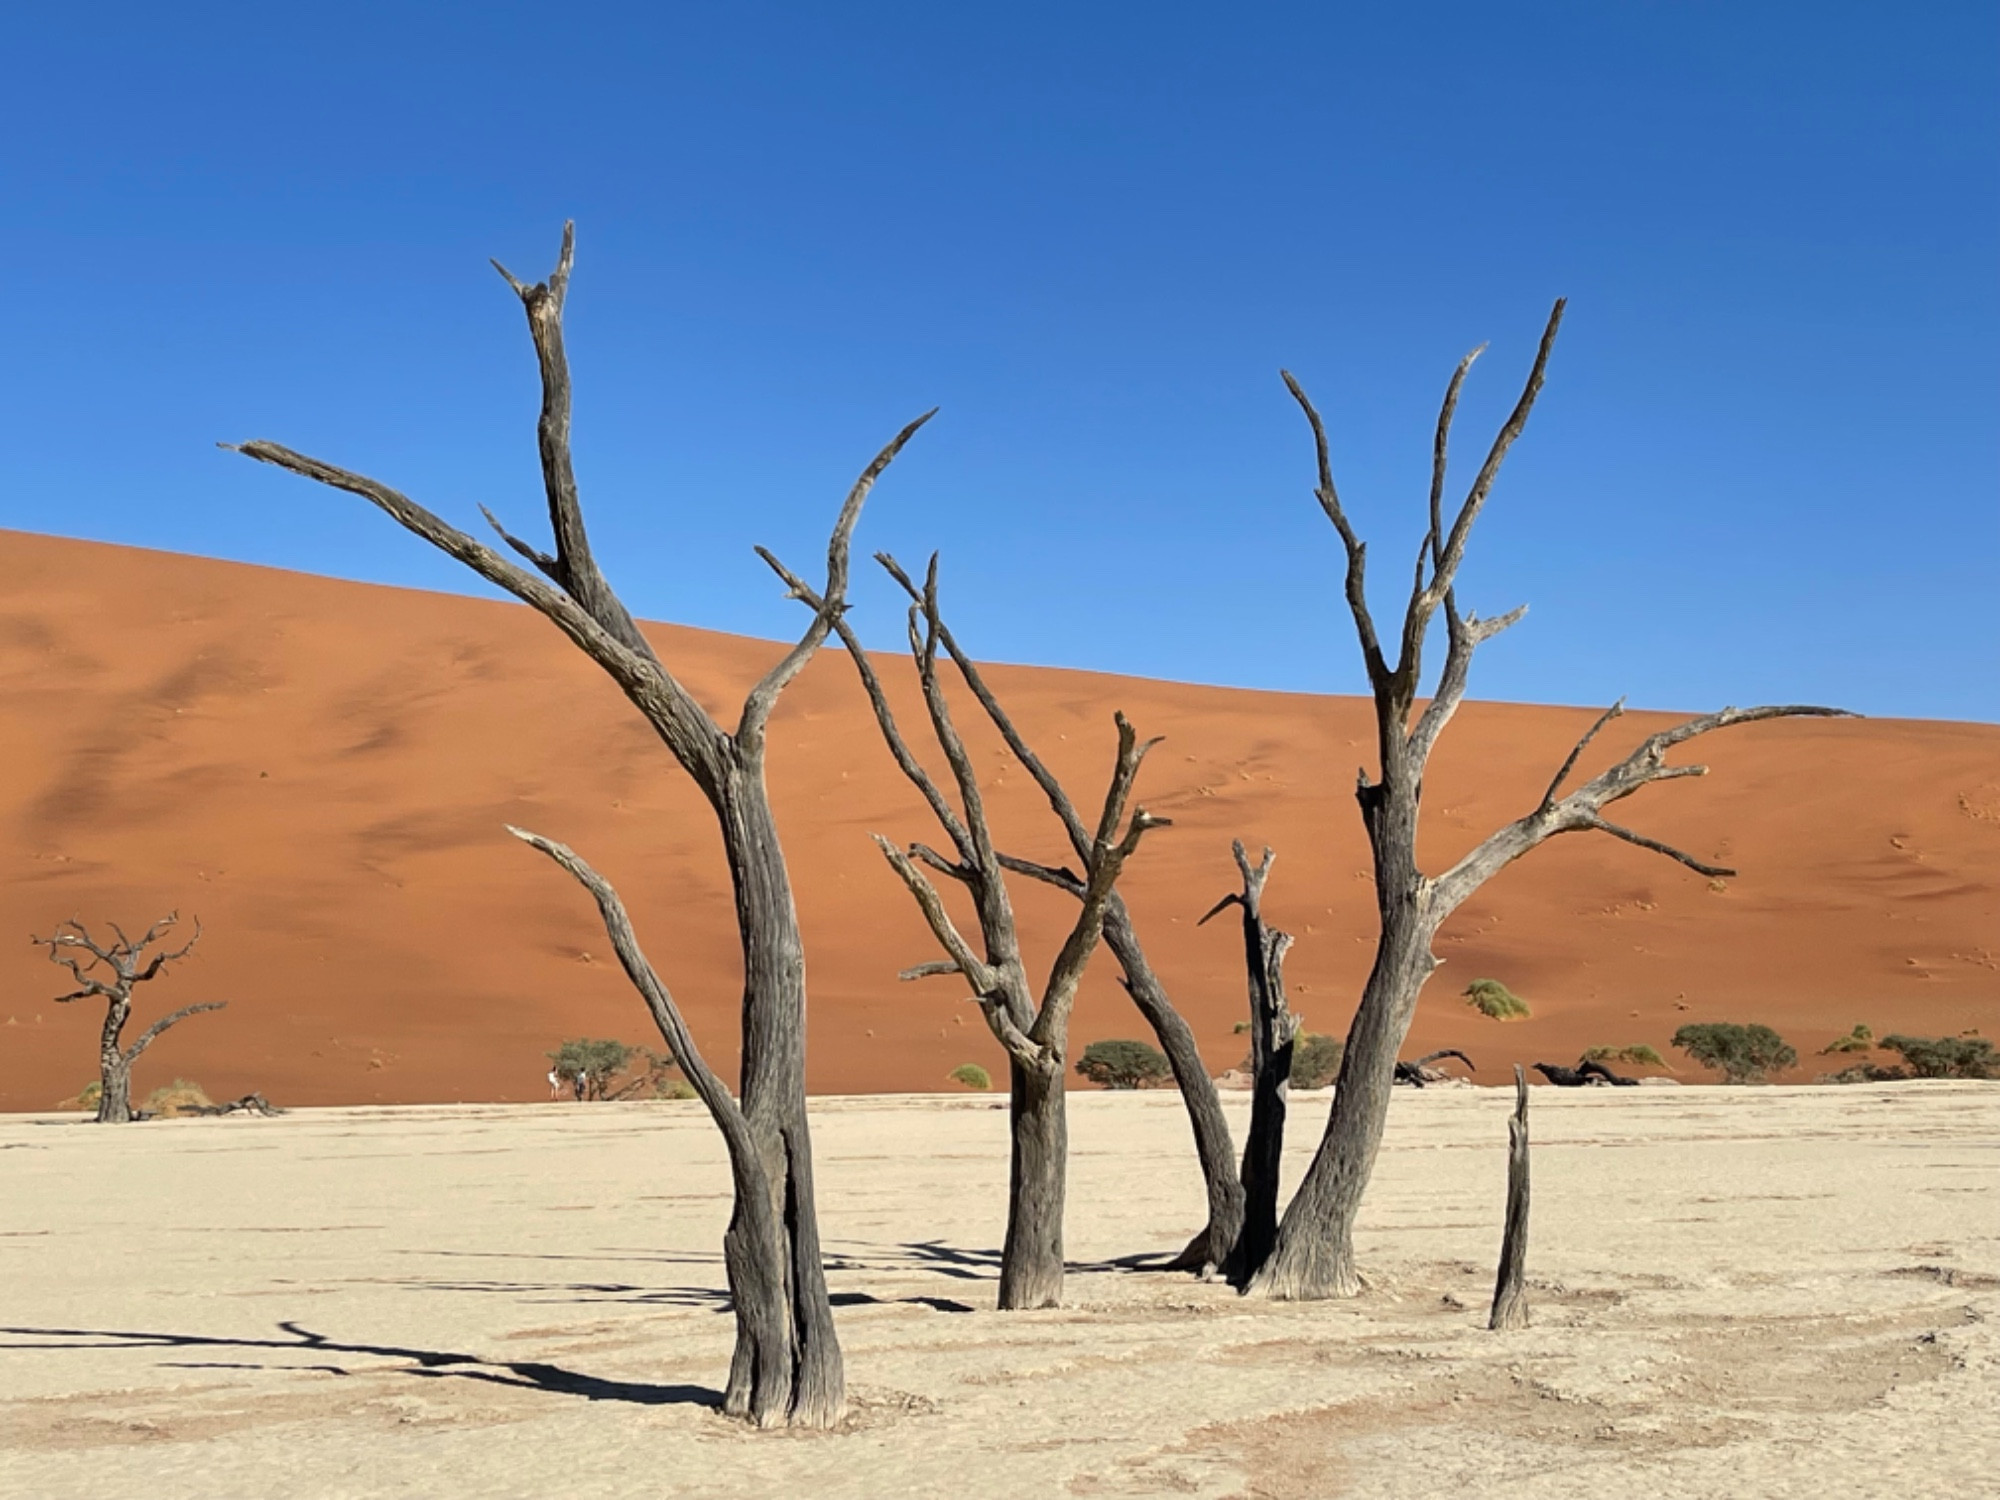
[(1866, 1072), (1742, 1054), (972, 1076), (1860, 1039), (1492, 998), (1122, 1064), (1946, 1056), (1638, 1054), (1315, 1059), (597, 1062)]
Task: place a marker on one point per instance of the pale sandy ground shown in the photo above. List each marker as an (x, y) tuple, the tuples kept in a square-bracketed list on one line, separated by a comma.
[(1740, 1292)]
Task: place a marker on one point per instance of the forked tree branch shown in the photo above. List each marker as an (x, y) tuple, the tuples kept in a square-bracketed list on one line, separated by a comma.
[(582, 603), (666, 1014), (694, 738), (885, 718), (832, 600), (147, 1036), (981, 975), (1357, 550), (1581, 810)]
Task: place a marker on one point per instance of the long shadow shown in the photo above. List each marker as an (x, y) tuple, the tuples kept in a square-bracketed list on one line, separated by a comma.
[(433, 1363)]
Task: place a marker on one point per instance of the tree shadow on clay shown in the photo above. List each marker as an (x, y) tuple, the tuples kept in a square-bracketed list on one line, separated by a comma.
[(431, 1363)]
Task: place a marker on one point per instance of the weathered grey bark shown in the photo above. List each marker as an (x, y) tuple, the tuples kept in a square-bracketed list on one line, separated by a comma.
[(112, 971), (1314, 1256), (1205, 1252), (1510, 1286), (1033, 1031), (798, 1380), (1273, 1030)]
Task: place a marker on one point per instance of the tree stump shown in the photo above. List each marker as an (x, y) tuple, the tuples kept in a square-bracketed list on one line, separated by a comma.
[(1510, 1293)]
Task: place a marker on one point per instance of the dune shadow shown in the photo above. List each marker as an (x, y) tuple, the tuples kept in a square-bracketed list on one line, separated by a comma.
[(431, 1363)]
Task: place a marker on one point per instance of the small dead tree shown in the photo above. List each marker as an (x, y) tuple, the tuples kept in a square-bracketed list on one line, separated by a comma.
[(1420, 1073), (1206, 1251), (1033, 1029), (1273, 1029), (1510, 1285), (110, 971), (787, 1365), (1314, 1256)]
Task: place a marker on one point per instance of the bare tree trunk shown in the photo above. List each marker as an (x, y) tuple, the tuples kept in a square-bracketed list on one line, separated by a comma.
[(1031, 1262), (1207, 1251), (114, 1070), (1510, 1292), (1314, 1253), (773, 1089)]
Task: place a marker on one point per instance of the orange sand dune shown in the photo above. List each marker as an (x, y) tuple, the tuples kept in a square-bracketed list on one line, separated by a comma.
[(320, 770)]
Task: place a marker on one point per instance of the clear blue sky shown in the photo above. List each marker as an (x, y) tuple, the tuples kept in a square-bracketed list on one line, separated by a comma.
[(1767, 464)]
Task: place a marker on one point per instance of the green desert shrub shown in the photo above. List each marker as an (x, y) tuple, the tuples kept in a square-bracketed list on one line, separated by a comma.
[(1742, 1054), (1866, 1072), (1315, 1059), (1639, 1054), (596, 1061), (1122, 1064), (1946, 1056), (1492, 998), (1860, 1039), (972, 1076)]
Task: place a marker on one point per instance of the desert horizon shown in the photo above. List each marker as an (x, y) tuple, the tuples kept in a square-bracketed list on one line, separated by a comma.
[(320, 771)]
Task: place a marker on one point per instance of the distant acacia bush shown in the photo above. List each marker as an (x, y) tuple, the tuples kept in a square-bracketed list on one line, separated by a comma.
[(1860, 1039), (1946, 1056), (1122, 1064), (972, 1076), (1315, 1059), (1742, 1054), (596, 1061), (1638, 1053), (1866, 1072), (1492, 998)]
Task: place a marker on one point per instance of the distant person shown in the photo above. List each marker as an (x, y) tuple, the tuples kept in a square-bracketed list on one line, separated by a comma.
[(555, 1084), (582, 1084)]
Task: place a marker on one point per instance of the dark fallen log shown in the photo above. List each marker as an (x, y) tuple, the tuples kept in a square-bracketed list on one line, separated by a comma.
[(1596, 1072), (1584, 1074), (1417, 1074), (249, 1104)]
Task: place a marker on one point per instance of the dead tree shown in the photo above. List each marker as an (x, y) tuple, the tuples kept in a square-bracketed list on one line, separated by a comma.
[(1205, 1252), (1419, 1073), (1273, 1029), (110, 972), (787, 1365), (1510, 1285), (1032, 1028), (1314, 1256)]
